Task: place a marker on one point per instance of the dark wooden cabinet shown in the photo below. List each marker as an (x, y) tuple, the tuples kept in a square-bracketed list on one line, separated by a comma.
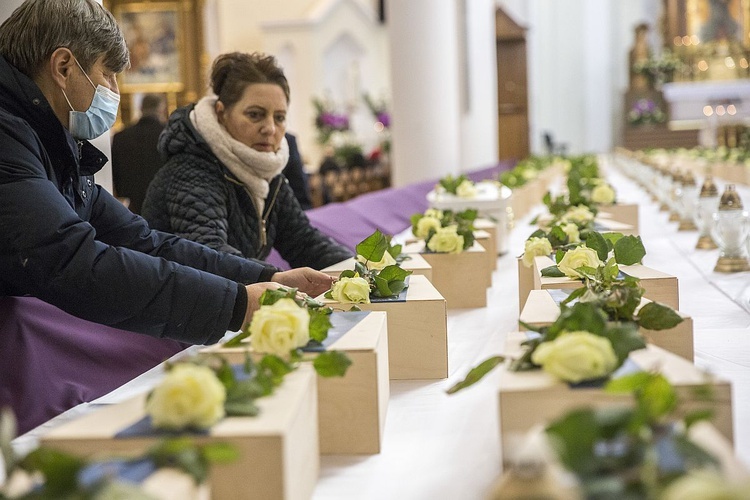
[(512, 88)]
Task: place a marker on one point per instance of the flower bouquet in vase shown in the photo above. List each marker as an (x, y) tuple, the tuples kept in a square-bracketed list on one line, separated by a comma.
[(416, 311)]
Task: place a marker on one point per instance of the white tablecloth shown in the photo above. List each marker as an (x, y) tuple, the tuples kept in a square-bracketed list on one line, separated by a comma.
[(437, 446)]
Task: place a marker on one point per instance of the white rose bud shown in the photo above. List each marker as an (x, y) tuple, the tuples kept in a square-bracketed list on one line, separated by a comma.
[(189, 396), (535, 247), (705, 485), (424, 225), (578, 257), (446, 240), (351, 291), (434, 212), (386, 261), (580, 215), (603, 194), (280, 328), (571, 230), (576, 356), (466, 189)]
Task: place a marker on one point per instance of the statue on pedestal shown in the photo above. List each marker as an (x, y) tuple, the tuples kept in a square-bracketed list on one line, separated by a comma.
[(639, 58)]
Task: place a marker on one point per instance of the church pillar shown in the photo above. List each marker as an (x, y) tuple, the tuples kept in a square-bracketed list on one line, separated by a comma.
[(426, 131)]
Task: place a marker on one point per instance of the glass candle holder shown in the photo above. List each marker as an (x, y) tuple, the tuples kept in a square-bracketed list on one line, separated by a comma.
[(688, 202), (730, 231), (708, 205)]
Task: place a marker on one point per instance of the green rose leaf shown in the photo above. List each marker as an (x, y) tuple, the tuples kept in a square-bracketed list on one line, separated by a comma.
[(552, 272), (611, 270), (477, 373), (627, 383), (270, 297), (328, 295), (241, 408), (574, 436), (395, 251), (320, 323), (573, 296), (581, 316), (276, 366), (625, 339), (347, 274), (236, 341), (698, 416), (394, 273), (220, 453), (596, 241), (381, 287), (629, 250), (360, 269), (655, 316), (657, 398), (373, 247), (331, 364), (59, 469), (611, 239)]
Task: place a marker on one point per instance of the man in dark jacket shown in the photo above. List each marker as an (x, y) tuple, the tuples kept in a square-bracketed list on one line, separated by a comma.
[(135, 157), (67, 241)]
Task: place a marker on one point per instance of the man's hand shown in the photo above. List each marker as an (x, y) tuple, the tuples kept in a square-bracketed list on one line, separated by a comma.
[(307, 280)]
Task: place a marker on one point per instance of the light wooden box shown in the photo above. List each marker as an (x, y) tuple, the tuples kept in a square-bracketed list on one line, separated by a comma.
[(659, 287), (415, 263), (351, 409), (557, 481), (608, 225), (417, 331), (279, 457), (627, 213), (532, 398), (462, 278), (488, 242), (542, 310)]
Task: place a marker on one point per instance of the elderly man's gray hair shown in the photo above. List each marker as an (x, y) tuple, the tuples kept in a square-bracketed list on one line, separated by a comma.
[(38, 27)]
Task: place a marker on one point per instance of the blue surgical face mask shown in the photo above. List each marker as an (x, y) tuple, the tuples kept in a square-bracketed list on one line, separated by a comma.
[(100, 116)]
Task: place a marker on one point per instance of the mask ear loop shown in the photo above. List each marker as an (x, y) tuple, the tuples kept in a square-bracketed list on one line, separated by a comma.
[(84, 73), (68, 100)]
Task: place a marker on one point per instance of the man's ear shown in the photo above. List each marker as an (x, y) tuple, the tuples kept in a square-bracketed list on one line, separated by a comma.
[(61, 65)]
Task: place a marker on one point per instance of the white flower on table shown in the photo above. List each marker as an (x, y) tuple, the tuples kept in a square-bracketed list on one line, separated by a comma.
[(446, 240), (535, 247), (576, 356), (579, 214), (603, 194), (466, 189), (578, 257), (354, 290), (189, 396), (425, 225), (386, 261), (571, 231), (280, 328)]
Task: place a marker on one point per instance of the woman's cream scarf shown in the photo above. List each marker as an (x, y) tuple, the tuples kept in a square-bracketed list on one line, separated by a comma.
[(253, 168)]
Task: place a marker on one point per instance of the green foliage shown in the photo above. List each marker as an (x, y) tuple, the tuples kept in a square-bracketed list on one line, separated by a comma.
[(450, 183), (654, 316), (629, 250), (331, 364), (615, 451), (477, 373), (373, 247), (194, 460)]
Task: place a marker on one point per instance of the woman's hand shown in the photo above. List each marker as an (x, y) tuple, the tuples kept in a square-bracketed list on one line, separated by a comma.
[(305, 279)]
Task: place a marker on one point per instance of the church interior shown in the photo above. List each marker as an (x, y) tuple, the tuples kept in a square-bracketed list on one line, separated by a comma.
[(525, 172)]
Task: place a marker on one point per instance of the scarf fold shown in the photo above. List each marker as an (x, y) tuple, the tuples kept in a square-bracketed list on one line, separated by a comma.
[(254, 169)]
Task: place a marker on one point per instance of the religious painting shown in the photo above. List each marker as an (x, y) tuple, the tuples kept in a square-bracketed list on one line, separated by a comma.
[(153, 34), (699, 22)]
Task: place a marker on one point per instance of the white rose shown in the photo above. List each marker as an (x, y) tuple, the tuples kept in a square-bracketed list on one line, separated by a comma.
[(280, 328), (425, 225), (466, 189), (576, 356), (571, 230), (535, 247), (446, 240), (386, 261), (603, 194), (189, 396), (578, 257), (705, 485), (580, 215), (434, 212), (351, 291)]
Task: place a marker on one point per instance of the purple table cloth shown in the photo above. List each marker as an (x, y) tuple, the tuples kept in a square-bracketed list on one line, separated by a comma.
[(51, 361), (388, 210)]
